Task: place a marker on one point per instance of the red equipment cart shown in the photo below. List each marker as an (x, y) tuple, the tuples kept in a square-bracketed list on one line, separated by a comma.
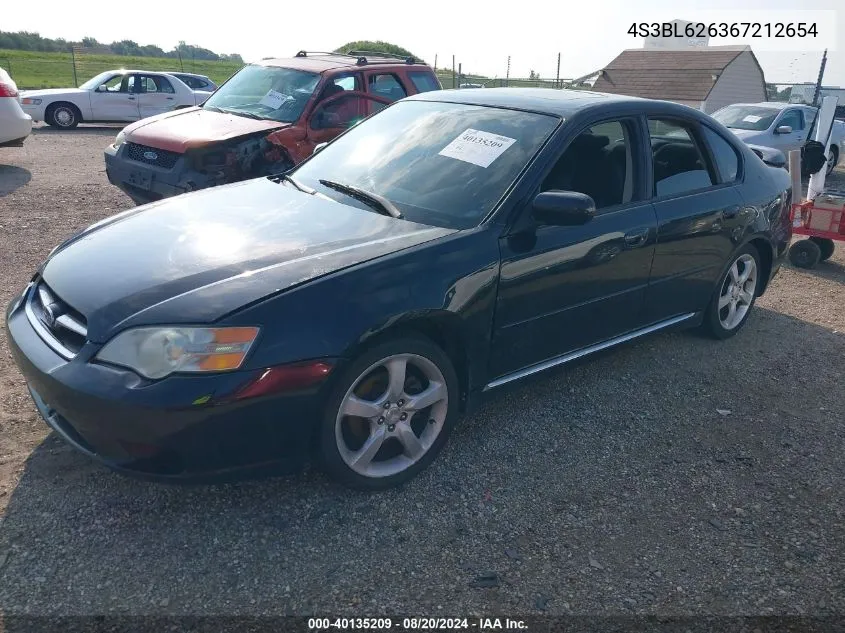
[(822, 220)]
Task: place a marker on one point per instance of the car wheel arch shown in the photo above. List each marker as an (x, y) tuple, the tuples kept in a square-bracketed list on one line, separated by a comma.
[(55, 104)]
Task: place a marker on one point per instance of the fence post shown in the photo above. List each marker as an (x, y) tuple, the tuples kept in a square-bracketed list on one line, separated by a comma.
[(181, 66), (435, 62), (460, 75), (453, 73), (557, 76), (508, 74), (73, 61)]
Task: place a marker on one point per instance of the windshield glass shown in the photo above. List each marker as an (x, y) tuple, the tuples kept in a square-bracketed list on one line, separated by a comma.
[(443, 164), (92, 83), (266, 92), (746, 117)]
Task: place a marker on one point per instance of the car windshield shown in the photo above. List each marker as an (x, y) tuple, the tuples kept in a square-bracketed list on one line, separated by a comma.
[(265, 92), (746, 117), (443, 164), (92, 83)]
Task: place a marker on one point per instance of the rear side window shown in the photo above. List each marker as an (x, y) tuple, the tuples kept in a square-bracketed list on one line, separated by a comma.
[(727, 161), (423, 81), (679, 164), (386, 86), (156, 84)]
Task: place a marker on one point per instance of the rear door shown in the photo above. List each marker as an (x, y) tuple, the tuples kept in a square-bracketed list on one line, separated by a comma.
[(386, 85), (156, 94), (699, 210)]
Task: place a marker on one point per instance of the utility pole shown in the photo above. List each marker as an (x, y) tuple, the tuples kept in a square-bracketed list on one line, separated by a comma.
[(819, 80), (508, 73), (557, 76)]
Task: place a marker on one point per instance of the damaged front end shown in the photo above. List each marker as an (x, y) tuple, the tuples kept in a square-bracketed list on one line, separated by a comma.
[(147, 174)]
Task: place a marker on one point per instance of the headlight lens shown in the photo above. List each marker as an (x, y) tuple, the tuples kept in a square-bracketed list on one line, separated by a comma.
[(30, 101), (155, 352), (120, 139)]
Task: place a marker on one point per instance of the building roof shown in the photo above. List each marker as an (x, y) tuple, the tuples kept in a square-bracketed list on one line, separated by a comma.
[(683, 75)]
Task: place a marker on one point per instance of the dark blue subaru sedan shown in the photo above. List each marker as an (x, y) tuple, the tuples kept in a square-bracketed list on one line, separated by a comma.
[(351, 309)]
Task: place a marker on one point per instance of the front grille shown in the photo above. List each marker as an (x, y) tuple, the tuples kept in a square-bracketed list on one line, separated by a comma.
[(151, 155), (62, 328)]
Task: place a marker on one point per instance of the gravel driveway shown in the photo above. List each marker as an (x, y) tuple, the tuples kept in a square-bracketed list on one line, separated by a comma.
[(673, 476)]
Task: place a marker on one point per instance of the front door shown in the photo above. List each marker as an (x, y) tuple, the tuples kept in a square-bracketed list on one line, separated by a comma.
[(155, 95), (794, 118), (115, 99), (563, 288), (338, 113)]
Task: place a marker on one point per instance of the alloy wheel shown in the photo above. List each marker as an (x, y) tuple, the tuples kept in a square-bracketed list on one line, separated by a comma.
[(391, 415), (737, 293), (64, 116)]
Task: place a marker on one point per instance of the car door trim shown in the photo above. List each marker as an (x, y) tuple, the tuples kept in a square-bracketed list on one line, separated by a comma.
[(585, 351)]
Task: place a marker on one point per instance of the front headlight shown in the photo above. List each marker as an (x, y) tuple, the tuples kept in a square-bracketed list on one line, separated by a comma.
[(30, 101), (155, 352), (120, 139)]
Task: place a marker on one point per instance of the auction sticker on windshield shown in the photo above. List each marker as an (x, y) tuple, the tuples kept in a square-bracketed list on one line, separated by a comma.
[(477, 147), (752, 118), (273, 99)]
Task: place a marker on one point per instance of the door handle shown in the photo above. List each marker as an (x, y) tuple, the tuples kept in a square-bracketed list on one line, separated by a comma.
[(636, 238), (132, 98), (170, 98)]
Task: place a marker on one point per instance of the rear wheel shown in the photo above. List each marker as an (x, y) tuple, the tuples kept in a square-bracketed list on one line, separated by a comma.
[(832, 159), (805, 254), (735, 295), (62, 115), (389, 414), (826, 247)]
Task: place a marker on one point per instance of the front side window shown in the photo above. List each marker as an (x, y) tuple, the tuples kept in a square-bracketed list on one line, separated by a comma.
[(340, 113), (265, 92), (599, 163), (792, 118), (443, 164), (118, 83), (387, 86), (679, 163), (727, 161)]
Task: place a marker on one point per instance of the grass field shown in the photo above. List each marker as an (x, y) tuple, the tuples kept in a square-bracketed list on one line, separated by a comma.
[(33, 69)]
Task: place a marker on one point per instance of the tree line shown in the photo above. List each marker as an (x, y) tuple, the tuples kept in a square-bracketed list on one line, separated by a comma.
[(27, 41)]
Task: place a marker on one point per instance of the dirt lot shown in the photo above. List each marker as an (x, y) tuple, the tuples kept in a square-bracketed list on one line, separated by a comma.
[(613, 487)]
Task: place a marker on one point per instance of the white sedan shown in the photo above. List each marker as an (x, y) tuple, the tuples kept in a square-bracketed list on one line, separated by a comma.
[(15, 126), (112, 96)]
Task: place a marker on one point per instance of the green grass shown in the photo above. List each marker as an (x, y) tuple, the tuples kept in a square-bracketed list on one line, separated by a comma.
[(33, 69)]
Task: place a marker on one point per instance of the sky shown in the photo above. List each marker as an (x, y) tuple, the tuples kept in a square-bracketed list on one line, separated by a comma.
[(588, 35)]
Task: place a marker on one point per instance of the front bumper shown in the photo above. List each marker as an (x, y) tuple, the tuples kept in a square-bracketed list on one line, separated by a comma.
[(145, 183), (185, 428)]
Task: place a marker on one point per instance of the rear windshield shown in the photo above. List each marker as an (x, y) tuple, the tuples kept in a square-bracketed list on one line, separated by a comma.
[(741, 117), (444, 164), (265, 92)]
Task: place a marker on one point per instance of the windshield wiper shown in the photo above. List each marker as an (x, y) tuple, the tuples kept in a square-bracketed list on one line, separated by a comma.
[(373, 200), (243, 113), (298, 184)]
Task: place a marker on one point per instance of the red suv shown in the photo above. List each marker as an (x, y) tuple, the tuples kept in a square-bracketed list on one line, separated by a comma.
[(265, 119)]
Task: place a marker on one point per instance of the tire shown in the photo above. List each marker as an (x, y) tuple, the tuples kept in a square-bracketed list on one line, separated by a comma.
[(826, 247), (805, 254), (64, 116), (389, 443), (834, 158), (735, 294)]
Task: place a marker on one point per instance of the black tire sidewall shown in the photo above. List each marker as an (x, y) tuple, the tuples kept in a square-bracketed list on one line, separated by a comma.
[(811, 247), (328, 453), (711, 319), (55, 123), (826, 247), (835, 155)]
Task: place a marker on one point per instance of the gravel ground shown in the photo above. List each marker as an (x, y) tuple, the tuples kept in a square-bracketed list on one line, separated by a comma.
[(673, 476)]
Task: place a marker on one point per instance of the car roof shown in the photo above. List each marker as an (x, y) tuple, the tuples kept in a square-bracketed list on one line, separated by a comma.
[(322, 62), (772, 105), (179, 72), (563, 103)]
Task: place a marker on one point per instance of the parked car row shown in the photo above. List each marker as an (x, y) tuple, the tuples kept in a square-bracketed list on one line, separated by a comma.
[(350, 305)]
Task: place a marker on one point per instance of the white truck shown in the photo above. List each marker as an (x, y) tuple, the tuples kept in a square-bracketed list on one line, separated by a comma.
[(783, 126)]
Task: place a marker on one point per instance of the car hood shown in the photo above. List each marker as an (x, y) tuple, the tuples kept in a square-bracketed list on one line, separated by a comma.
[(196, 257), (746, 134), (52, 92), (189, 128)]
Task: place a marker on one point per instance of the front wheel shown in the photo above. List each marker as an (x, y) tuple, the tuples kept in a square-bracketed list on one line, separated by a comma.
[(735, 295), (63, 116), (389, 414)]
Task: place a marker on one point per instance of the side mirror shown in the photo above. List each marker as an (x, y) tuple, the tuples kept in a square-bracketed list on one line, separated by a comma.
[(563, 208), (783, 129), (100, 88), (318, 147)]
